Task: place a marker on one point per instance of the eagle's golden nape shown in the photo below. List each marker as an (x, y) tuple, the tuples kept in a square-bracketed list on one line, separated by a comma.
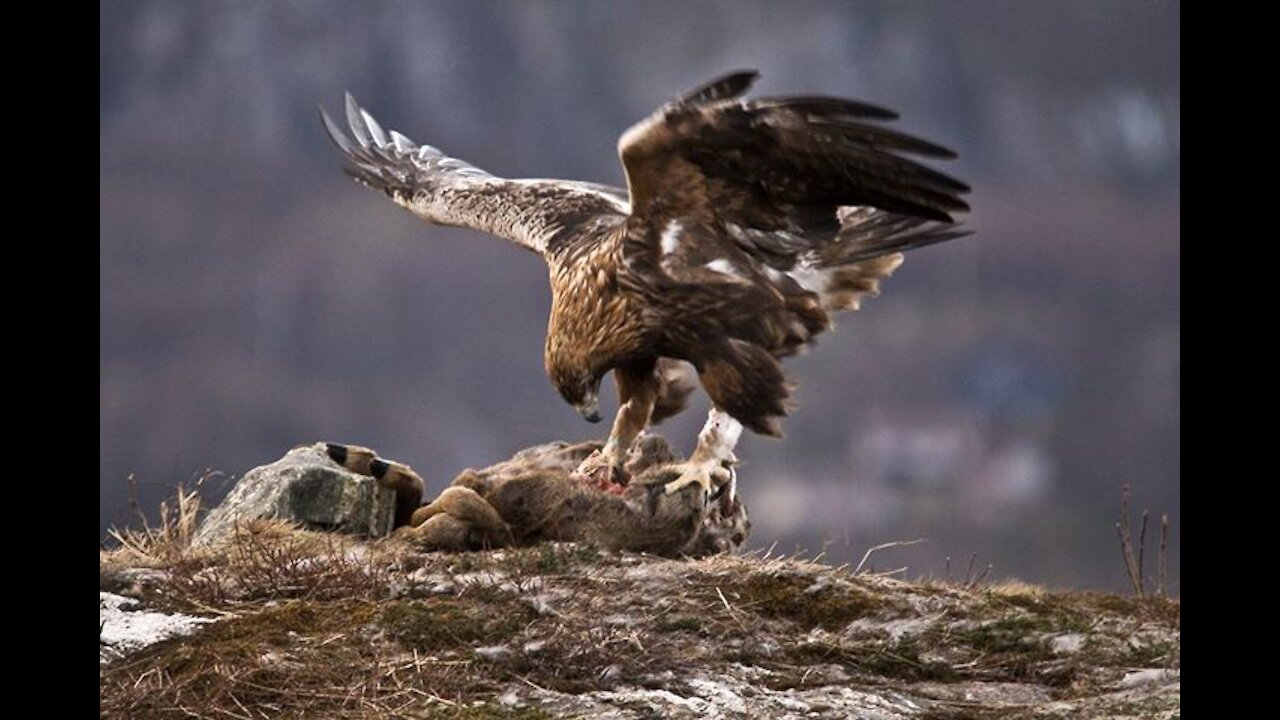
[(746, 225)]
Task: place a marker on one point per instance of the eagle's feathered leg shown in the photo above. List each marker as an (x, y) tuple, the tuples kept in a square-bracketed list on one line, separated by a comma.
[(638, 391), (711, 464)]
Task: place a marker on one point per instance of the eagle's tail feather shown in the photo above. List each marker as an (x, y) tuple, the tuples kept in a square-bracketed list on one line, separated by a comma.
[(847, 285), (866, 233), (860, 252), (847, 266)]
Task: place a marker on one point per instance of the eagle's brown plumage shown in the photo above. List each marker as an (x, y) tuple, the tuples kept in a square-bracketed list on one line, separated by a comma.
[(745, 224)]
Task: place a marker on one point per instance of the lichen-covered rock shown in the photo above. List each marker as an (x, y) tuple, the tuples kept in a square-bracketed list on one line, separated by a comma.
[(307, 487)]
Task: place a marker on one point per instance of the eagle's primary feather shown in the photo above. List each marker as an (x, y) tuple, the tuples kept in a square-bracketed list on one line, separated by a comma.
[(745, 224)]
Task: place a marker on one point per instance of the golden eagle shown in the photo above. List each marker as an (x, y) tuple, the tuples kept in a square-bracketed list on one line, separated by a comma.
[(746, 223)]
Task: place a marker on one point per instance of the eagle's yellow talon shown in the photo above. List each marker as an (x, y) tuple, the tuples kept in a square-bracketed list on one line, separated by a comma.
[(703, 474)]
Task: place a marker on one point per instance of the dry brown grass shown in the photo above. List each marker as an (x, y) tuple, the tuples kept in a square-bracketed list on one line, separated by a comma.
[(322, 625), (409, 635), (154, 545), (302, 659), (268, 561), (262, 561)]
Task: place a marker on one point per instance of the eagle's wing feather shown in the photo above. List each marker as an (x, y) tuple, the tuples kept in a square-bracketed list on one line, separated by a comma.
[(448, 191), (790, 190), (786, 151), (781, 166), (763, 216)]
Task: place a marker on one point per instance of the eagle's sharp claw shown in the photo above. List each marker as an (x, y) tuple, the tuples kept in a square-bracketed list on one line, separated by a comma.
[(706, 475)]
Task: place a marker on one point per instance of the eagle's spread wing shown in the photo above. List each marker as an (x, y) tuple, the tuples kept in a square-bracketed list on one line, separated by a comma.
[(790, 190), (448, 191), (770, 158), (753, 220)]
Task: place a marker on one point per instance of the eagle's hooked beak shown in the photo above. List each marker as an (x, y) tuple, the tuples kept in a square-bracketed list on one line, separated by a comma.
[(589, 408)]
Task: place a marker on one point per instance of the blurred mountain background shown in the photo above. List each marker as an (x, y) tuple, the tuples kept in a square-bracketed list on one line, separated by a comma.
[(993, 400)]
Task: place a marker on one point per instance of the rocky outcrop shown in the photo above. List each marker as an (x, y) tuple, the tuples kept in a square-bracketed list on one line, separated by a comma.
[(306, 487), (536, 496), (279, 619)]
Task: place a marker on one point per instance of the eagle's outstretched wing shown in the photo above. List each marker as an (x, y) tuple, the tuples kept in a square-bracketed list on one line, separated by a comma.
[(753, 220), (807, 193), (447, 191)]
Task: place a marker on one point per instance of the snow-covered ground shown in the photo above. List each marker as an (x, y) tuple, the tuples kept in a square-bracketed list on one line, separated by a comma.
[(126, 627)]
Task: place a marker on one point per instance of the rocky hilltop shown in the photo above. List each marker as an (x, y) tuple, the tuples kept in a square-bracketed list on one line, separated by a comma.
[(280, 621)]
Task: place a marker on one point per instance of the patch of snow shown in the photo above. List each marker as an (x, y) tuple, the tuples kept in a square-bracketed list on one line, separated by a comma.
[(821, 584), (127, 628), (768, 648), (790, 703), (895, 629), (988, 694), (435, 583), (525, 586), (1150, 676), (494, 653), (356, 554), (656, 698), (749, 672), (541, 605), (719, 695), (1066, 644), (490, 579)]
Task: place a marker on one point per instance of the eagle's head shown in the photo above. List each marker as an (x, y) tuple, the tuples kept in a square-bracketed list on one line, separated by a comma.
[(580, 388)]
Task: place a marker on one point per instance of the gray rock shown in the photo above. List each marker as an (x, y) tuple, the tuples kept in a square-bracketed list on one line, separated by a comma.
[(306, 487)]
